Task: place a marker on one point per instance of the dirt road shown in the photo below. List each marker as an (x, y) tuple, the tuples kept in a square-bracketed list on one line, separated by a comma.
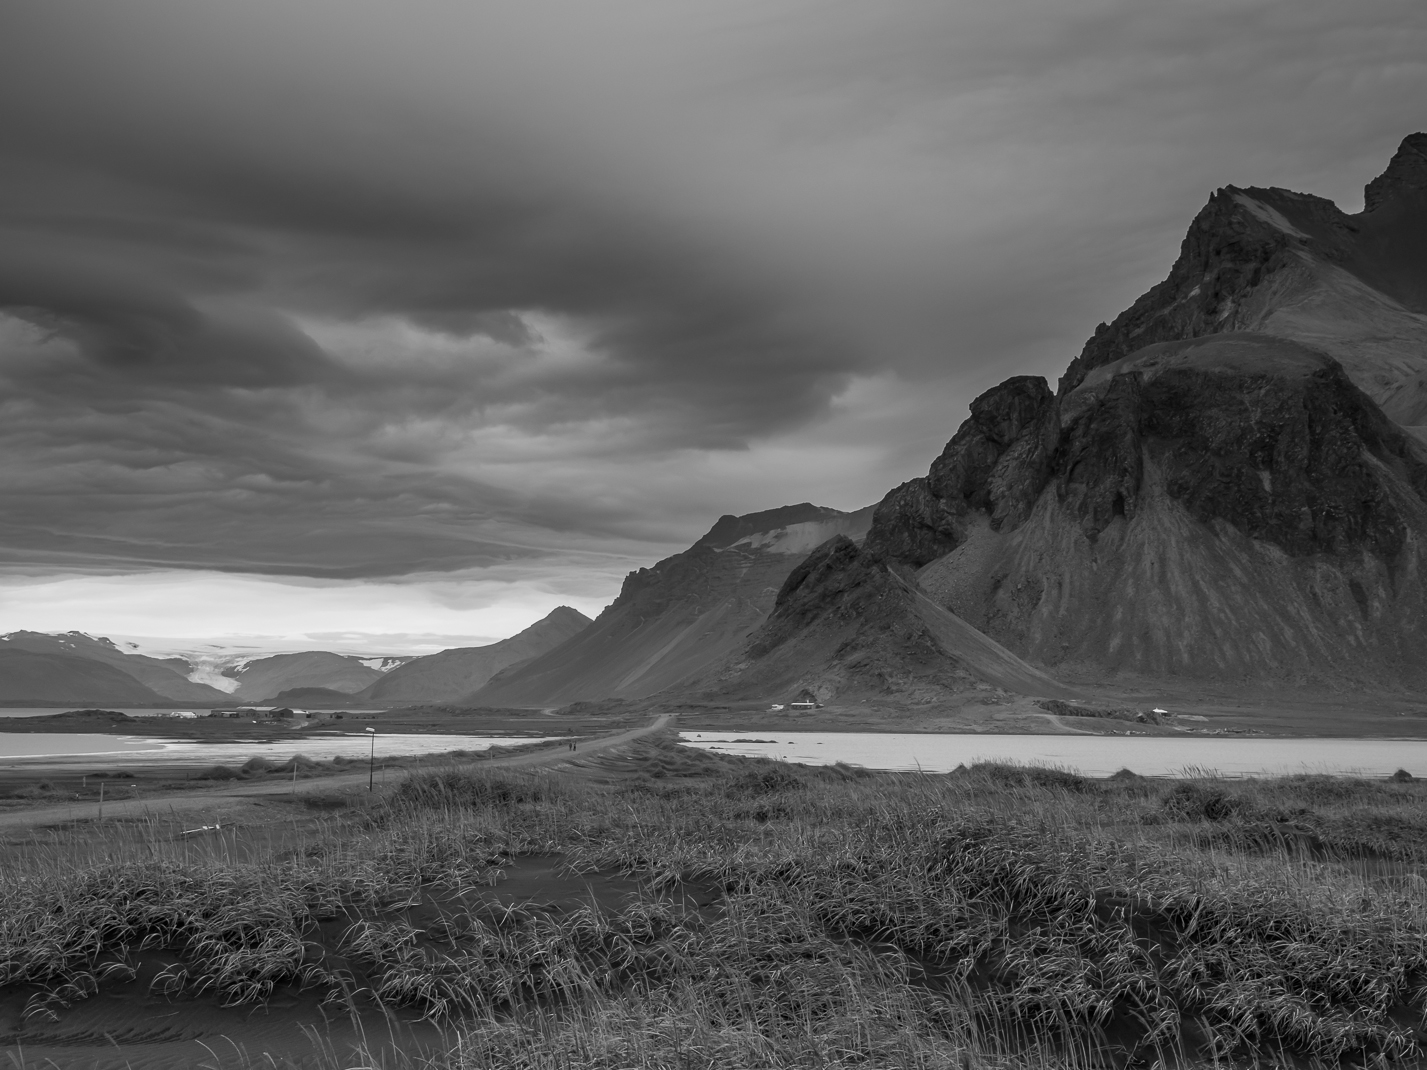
[(224, 797)]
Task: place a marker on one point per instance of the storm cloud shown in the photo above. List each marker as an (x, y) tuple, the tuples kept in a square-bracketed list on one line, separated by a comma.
[(344, 289)]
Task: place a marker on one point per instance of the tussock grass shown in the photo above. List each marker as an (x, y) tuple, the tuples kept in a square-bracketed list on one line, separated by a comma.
[(997, 916)]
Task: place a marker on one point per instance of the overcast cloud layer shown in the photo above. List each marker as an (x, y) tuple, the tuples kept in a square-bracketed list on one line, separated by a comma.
[(494, 301)]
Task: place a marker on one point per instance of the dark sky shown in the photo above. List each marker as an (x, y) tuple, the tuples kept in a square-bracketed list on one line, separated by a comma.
[(452, 312)]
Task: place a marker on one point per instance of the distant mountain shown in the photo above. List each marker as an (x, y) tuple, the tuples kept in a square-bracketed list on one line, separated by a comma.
[(31, 678), (452, 675), (673, 621), (1230, 485), (167, 677), (261, 678)]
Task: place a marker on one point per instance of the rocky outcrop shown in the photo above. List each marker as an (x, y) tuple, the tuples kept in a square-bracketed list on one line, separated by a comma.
[(997, 462), (1226, 258), (1294, 265), (1306, 463), (843, 624), (849, 624), (912, 524), (1406, 175)]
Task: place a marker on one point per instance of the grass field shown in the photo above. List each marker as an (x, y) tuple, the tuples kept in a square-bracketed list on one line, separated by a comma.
[(742, 913)]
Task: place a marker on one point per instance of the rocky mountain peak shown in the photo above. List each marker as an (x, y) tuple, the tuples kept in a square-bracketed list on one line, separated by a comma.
[(729, 528), (1238, 241), (1406, 173)]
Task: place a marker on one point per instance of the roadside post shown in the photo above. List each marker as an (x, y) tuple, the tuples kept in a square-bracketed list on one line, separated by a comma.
[(372, 761)]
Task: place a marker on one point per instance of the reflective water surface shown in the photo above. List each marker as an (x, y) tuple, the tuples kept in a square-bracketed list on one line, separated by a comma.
[(57, 747), (1089, 755)]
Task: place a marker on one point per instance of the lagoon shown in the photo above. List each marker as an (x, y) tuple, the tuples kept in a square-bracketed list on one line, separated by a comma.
[(54, 748), (1089, 755), (132, 711)]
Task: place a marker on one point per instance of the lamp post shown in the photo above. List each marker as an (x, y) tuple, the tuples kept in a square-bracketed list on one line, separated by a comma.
[(372, 762)]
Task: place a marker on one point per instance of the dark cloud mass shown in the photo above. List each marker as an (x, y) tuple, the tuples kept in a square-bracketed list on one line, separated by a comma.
[(359, 289)]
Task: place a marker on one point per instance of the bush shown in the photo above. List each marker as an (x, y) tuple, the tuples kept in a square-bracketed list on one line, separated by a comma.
[(1034, 776), (467, 790), (1199, 802), (325, 800), (775, 779), (219, 772)]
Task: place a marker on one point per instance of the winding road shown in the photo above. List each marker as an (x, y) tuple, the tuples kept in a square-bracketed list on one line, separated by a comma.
[(204, 800)]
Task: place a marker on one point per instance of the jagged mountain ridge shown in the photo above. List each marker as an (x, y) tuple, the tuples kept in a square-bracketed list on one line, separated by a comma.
[(676, 620), (1293, 265), (1227, 485), (165, 678), (450, 675)]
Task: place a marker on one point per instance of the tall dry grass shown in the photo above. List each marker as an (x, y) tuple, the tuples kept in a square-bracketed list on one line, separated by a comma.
[(998, 916)]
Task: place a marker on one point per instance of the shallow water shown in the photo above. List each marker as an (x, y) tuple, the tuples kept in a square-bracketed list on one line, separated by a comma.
[(145, 711), (60, 748), (1088, 755)]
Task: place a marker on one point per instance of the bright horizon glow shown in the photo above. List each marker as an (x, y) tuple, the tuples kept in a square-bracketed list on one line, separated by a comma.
[(256, 615)]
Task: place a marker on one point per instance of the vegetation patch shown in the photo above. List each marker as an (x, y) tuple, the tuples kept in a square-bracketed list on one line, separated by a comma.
[(754, 913)]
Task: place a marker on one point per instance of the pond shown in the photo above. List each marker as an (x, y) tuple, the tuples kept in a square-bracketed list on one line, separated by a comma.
[(1088, 755)]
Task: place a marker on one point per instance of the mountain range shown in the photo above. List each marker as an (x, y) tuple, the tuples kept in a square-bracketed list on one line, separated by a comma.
[(1227, 485), (38, 669)]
